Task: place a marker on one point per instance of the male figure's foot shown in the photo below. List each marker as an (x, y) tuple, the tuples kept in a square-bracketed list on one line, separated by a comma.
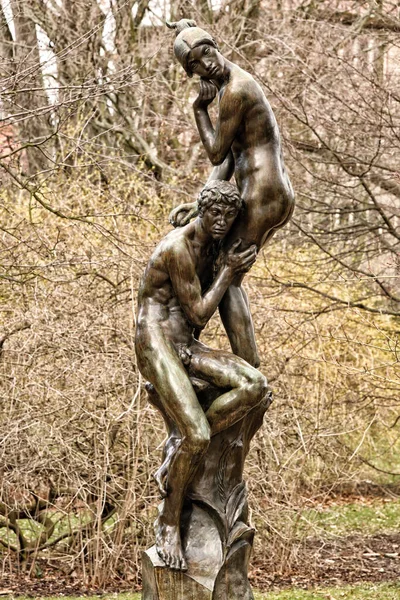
[(169, 546), (161, 475)]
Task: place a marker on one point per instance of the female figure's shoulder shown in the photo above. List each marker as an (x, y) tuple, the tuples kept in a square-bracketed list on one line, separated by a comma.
[(242, 85)]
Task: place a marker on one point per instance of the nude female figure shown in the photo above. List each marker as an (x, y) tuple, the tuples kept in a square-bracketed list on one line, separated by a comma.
[(246, 143)]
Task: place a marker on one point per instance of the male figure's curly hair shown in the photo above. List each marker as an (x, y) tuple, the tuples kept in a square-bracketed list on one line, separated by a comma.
[(219, 191)]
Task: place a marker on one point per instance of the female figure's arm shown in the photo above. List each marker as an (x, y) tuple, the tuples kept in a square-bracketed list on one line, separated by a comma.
[(231, 108)]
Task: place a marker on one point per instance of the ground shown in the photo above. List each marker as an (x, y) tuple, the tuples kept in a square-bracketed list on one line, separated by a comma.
[(371, 592), (354, 554), (357, 539)]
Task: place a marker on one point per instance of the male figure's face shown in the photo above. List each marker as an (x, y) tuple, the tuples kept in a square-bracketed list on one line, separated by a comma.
[(205, 61), (218, 219)]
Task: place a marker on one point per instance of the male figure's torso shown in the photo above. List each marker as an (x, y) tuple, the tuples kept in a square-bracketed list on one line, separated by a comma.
[(159, 306)]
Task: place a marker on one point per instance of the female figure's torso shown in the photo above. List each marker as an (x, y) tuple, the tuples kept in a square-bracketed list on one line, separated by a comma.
[(259, 167)]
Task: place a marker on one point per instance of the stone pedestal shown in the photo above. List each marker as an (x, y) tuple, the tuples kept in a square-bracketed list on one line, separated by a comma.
[(216, 536)]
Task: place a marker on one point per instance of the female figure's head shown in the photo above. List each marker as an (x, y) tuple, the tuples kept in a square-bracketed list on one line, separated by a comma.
[(196, 50)]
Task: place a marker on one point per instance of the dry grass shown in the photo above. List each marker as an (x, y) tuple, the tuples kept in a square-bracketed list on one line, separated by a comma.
[(79, 441)]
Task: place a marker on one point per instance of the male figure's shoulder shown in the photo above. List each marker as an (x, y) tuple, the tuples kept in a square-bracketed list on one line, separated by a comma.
[(175, 246)]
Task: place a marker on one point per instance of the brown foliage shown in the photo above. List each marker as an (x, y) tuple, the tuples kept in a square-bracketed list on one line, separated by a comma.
[(88, 181)]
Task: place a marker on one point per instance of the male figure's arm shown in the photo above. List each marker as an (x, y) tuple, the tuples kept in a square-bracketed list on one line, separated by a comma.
[(199, 308)]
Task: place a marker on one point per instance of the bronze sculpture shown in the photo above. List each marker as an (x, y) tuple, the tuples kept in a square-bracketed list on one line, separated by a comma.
[(212, 401), (245, 143), (177, 298)]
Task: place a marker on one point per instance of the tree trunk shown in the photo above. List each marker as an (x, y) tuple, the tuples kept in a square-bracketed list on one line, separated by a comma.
[(30, 106)]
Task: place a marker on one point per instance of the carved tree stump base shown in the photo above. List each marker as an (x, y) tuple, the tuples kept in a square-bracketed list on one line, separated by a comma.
[(160, 583), (230, 583), (216, 536)]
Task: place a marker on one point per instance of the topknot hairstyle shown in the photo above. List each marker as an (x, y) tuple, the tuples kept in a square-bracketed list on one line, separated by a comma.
[(219, 191), (189, 36)]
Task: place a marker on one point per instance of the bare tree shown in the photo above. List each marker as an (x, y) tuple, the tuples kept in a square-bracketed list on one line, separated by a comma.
[(98, 143)]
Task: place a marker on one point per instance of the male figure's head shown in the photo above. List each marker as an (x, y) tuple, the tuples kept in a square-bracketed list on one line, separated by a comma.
[(219, 203), (196, 50)]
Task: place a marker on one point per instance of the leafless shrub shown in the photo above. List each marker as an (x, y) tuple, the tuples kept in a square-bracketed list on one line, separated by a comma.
[(88, 179)]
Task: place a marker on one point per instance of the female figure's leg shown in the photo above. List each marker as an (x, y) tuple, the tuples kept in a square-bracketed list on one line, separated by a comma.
[(260, 221)]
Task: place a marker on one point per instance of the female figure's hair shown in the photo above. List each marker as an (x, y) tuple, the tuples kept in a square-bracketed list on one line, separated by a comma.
[(189, 36), (219, 191)]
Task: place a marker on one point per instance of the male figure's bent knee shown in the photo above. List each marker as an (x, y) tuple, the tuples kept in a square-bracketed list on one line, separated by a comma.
[(257, 388)]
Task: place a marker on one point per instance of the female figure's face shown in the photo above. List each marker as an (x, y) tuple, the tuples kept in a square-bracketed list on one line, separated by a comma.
[(206, 62)]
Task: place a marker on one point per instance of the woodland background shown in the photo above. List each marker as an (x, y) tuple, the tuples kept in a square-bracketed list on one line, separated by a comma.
[(97, 144)]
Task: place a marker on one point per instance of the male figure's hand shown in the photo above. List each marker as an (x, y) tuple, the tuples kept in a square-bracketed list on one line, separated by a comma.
[(240, 262), (207, 93)]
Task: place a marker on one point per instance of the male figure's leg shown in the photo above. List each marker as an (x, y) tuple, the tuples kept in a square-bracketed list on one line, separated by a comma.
[(174, 437), (171, 444), (246, 385), (165, 371)]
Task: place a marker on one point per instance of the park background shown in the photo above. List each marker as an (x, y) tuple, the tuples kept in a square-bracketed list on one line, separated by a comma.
[(97, 144)]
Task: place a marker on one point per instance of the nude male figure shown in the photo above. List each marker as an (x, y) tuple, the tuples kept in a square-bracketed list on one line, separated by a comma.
[(246, 143), (181, 288)]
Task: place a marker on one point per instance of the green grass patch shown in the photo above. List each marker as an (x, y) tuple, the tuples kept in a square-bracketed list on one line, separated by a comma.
[(387, 591), (378, 517), (64, 523)]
